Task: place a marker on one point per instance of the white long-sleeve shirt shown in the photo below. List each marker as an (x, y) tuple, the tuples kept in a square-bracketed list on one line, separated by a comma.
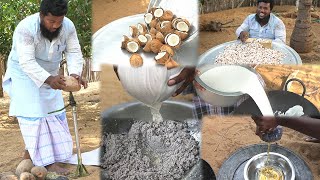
[(274, 29), (32, 60)]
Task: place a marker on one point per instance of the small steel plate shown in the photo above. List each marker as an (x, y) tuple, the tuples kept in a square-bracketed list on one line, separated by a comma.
[(233, 167)]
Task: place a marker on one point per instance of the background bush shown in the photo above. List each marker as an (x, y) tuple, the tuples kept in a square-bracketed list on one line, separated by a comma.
[(13, 11)]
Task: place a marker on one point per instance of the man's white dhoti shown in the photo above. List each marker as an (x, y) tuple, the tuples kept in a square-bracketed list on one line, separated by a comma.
[(48, 139)]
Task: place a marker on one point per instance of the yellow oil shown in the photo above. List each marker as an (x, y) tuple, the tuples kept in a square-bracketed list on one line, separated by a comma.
[(270, 173)]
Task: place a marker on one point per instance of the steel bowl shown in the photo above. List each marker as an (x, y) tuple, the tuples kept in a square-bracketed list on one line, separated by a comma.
[(212, 95), (276, 160)]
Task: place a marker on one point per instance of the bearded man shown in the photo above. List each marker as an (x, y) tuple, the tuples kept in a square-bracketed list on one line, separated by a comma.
[(34, 85), (263, 24)]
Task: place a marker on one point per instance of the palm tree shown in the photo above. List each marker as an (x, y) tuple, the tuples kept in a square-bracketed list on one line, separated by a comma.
[(302, 36)]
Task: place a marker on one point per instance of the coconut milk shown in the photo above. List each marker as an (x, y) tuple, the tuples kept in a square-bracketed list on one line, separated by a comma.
[(235, 78), (155, 112)]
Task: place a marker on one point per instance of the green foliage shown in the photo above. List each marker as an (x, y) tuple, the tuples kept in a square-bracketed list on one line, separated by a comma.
[(80, 14), (13, 11)]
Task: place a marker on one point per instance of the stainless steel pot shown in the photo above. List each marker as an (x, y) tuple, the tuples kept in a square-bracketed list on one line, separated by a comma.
[(212, 95)]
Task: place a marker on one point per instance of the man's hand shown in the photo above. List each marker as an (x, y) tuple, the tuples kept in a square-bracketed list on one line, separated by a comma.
[(186, 75), (56, 82), (264, 123), (81, 81), (244, 35)]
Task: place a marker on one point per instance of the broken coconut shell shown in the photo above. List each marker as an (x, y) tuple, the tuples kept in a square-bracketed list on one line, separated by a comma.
[(133, 31), (142, 28), (124, 42), (170, 64), (155, 45), (181, 25), (136, 60), (182, 35), (160, 37), (158, 12), (166, 27), (147, 47), (167, 16), (142, 39), (153, 31), (148, 36), (173, 40), (153, 23), (167, 48), (148, 18), (133, 45), (162, 57)]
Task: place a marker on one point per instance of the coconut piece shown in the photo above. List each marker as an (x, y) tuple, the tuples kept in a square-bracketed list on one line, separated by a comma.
[(142, 40), (182, 26), (124, 42), (166, 48), (158, 12), (162, 57), (158, 26), (147, 47), (39, 172), (170, 64), (133, 45), (133, 31), (160, 37), (27, 176), (148, 18), (167, 16), (173, 40), (155, 45), (72, 85), (136, 60), (175, 21), (142, 28), (182, 35), (148, 36), (166, 27), (153, 23), (24, 166), (153, 31)]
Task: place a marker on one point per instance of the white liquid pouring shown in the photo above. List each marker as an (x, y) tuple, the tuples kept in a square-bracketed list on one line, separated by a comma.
[(238, 79)]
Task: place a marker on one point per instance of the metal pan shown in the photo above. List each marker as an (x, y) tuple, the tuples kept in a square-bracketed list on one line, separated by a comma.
[(280, 101), (233, 167)]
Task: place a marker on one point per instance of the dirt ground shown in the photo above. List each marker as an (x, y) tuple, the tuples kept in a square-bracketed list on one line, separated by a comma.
[(222, 136), (12, 145)]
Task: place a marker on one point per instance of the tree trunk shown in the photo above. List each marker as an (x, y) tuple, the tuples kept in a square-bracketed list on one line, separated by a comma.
[(302, 36), (2, 66)]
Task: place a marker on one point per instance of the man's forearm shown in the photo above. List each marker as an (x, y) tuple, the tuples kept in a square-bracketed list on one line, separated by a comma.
[(305, 125)]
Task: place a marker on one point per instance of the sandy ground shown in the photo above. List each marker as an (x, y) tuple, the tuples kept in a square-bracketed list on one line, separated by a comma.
[(12, 145), (222, 136)]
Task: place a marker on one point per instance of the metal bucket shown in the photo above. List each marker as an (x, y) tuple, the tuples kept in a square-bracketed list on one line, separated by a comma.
[(119, 118), (291, 56)]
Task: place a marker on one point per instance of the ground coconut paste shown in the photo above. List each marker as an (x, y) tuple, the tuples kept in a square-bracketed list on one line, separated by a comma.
[(150, 150)]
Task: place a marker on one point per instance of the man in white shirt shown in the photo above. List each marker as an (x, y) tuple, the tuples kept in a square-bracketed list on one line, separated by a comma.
[(34, 85), (263, 24)]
